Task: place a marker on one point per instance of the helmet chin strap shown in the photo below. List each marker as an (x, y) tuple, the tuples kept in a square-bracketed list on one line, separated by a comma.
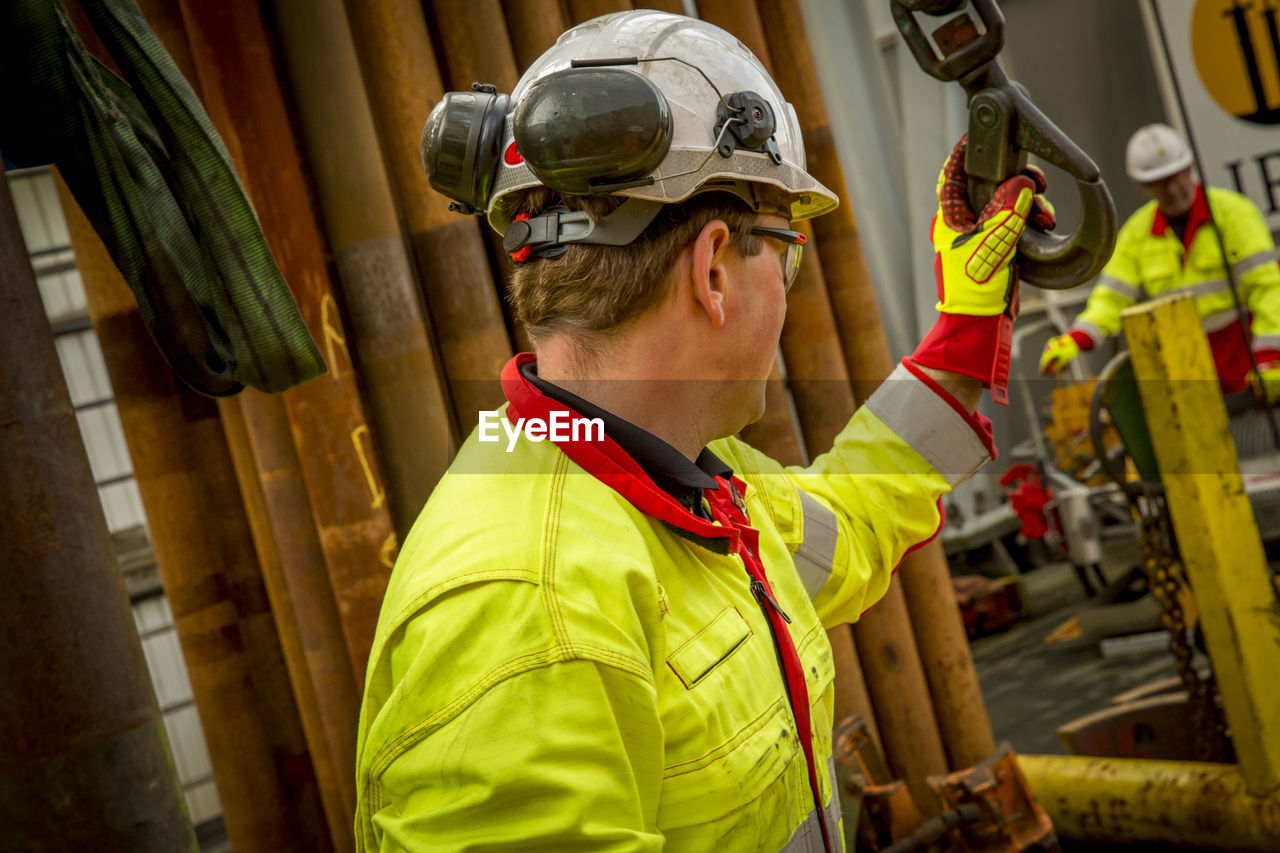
[(548, 234)]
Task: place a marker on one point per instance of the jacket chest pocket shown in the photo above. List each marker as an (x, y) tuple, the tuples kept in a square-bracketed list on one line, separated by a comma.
[(1206, 253), (713, 644), (1159, 265)]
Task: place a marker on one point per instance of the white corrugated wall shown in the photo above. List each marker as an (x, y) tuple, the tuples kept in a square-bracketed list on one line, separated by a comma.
[(84, 368)]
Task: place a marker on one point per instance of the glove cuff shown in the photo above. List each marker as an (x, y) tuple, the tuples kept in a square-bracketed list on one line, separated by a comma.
[(1082, 338), (978, 347)]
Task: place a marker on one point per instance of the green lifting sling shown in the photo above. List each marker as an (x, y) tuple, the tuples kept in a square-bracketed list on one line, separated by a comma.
[(144, 162)]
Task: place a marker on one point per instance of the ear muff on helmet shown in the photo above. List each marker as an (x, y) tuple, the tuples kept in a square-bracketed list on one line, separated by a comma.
[(461, 143), (592, 130)]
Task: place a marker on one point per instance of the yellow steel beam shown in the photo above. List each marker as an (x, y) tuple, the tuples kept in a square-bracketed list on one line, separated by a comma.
[(1217, 534), (1128, 800)]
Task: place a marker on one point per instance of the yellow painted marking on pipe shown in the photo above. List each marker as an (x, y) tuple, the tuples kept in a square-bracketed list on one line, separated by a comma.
[(375, 488), (331, 325), (387, 554)]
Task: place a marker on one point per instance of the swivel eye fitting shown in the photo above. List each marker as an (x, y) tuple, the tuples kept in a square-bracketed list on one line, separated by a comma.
[(1004, 126)]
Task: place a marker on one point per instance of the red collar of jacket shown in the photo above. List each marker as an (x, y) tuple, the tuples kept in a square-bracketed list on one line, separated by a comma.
[(1198, 215), (610, 464)]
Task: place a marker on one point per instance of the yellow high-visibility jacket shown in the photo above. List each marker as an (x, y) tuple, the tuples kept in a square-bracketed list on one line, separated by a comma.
[(1151, 261), (555, 669)]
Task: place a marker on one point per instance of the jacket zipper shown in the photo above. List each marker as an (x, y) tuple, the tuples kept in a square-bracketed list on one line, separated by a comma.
[(762, 595), (766, 601)]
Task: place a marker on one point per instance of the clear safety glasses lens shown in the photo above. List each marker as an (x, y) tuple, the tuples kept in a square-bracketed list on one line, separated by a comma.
[(795, 241), (791, 265)]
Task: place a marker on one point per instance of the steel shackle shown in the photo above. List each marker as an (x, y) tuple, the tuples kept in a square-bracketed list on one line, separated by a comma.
[(1004, 126)]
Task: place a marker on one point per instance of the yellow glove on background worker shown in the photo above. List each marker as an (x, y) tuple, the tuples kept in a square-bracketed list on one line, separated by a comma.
[(1059, 352), (975, 275), (1267, 377)]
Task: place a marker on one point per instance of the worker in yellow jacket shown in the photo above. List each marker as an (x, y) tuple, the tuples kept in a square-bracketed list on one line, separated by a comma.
[(606, 630), (1169, 246)]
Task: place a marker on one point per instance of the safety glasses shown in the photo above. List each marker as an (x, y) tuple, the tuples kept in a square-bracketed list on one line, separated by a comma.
[(795, 249)]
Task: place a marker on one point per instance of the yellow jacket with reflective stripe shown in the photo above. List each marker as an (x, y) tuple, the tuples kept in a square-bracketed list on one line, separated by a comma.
[(555, 670), (1147, 264)]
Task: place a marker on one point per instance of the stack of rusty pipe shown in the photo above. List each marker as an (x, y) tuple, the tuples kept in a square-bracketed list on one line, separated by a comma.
[(321, 104)]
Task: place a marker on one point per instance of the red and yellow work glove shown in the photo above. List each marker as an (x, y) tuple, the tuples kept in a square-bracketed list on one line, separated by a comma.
[(976, 280), (1062, 350)]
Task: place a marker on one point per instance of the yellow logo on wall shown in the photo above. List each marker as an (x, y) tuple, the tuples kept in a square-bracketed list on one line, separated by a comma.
[(1236, 47)]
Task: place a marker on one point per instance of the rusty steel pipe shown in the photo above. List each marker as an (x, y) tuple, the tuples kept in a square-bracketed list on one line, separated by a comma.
[(675, 7), (944, 652), (860, 332), (585, 10), (534, 25), (1187, 804), (411, 411), (336, 448), (474, 45), (900, 695), (743, 20), (403, 82), (851, 696), (85, 763), (305, 617), (204, 551), (292, 560), (926, 581)]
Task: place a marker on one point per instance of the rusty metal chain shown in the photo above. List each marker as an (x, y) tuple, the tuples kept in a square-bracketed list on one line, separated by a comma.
[(1165, 579)]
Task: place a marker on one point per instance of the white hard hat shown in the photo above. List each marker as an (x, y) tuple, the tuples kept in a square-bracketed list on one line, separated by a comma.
[(672, 53), (1156, 152)]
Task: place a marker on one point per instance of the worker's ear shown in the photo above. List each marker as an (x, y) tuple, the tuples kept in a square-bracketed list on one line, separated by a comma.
[(712, 252)]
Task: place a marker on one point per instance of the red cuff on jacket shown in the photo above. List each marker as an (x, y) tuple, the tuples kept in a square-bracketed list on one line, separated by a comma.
[(1083, 339)]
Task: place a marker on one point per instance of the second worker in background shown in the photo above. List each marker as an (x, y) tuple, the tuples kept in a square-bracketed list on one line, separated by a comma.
[(1169, 246)]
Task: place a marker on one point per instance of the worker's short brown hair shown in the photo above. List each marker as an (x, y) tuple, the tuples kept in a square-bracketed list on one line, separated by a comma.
[(591, 291)]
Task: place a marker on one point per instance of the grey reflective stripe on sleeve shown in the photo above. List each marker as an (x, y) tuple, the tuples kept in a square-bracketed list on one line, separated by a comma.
[(808, 836), (1261, 342), (1219, 320), (929, 424), (1125, 289), (1205, 288), (1257, 259), (1093, 330), (816, 555)]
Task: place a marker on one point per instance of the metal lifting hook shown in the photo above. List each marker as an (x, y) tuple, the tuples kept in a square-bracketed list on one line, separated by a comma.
[(1004, 125)]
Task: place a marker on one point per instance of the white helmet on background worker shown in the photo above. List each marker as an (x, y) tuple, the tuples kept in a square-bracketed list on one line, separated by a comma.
[(643, 104), (1155, 152)]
